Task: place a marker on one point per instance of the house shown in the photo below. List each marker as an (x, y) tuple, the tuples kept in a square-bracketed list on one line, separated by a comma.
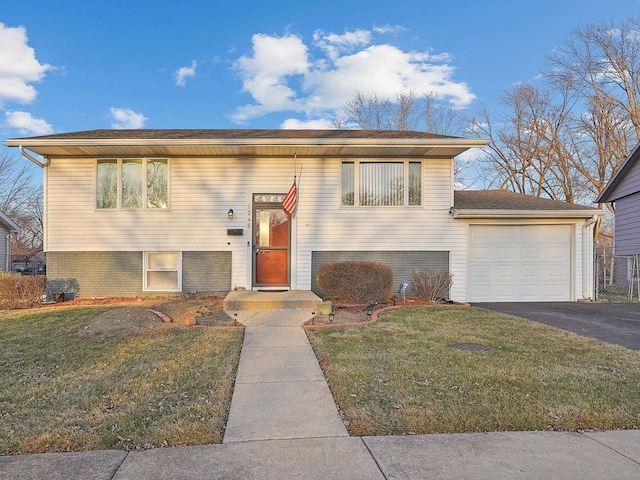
[(7, 228), (134, 212), (623, 190)]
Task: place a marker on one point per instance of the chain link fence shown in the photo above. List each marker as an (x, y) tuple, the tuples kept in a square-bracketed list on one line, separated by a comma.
[(617, 276)]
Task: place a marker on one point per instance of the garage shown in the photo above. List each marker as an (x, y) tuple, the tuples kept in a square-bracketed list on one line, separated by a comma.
[(519, 263)]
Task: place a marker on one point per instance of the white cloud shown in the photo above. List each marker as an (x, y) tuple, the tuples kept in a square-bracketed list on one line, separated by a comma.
[(26, 124), (282, 75), (389, 29), (18, 66), (185, 72), (295, 124), (125, 118), (334, 44)]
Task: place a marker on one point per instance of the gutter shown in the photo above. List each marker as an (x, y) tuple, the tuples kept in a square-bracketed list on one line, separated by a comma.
[(311, 142), (478, 213)]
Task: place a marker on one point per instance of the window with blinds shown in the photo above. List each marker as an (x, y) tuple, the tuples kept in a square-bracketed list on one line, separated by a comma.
[(381, 184)]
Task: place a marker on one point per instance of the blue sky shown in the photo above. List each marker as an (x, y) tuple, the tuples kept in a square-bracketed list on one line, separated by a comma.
[(79, 65)]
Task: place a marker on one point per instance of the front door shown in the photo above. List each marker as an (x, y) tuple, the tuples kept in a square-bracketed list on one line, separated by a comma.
[(271, 252)]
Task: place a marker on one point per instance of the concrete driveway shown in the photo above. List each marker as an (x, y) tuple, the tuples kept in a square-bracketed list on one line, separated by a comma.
[(617, 323)]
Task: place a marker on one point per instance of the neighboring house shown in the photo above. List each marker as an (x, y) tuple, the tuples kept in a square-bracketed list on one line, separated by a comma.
[(7, 228), (133, 212), (623, 190)]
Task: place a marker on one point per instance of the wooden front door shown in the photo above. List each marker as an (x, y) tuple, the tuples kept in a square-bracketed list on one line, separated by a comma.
[(271, 252)]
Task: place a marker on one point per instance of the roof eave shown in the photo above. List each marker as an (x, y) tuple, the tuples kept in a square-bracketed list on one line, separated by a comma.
[(478, 213), (13, 226), (392, 143), (605, 195)]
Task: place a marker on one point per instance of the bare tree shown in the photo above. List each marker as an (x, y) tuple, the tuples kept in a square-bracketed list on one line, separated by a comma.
[(564, 136), (407, 111), (602, 64), (367, 111), (16, 183), (21, 199), (441, 117)]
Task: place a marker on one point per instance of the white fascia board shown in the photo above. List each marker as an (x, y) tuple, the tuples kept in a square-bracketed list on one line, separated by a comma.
[(390, 142), (468, 213)]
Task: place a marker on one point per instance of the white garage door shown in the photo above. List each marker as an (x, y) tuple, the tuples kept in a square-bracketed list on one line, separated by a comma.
[(519, 263)]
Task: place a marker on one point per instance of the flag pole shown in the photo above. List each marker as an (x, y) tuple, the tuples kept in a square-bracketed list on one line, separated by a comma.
[(290, 199)]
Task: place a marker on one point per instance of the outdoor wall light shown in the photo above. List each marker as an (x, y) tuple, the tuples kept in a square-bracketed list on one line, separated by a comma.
[(331, 317), (230, 214)]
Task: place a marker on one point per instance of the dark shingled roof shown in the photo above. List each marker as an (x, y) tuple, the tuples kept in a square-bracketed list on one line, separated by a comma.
[(173, 134), (506, 200)]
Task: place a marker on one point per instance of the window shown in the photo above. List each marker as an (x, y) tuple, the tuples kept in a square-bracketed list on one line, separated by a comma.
[(132, 183), (376, 184), (163, 271)]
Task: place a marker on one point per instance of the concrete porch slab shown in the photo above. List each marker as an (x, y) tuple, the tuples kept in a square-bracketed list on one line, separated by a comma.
[(288, 300), (274, 318)]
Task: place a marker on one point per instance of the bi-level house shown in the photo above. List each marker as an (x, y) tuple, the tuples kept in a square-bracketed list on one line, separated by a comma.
[(134, 212)]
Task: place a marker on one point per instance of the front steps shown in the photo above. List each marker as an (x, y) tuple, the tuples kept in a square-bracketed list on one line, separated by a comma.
[(289, 300), (251, 309)]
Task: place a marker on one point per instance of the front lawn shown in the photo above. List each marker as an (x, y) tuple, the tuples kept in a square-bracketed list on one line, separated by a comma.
[(70, 384), (402, 376)]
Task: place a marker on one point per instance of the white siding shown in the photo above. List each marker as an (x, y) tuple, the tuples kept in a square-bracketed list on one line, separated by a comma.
[(203, 190)]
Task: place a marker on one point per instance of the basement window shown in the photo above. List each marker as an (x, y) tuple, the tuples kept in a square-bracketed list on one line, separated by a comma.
[(163, 271)]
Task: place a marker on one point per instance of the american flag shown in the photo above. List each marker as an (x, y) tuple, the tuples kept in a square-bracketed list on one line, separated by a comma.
[(289, 202)]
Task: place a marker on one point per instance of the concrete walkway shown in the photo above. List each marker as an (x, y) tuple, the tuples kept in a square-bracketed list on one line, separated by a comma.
[(280, 391), (284, 424)]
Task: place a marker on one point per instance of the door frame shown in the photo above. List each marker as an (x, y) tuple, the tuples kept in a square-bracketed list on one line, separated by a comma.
[(273, 201)]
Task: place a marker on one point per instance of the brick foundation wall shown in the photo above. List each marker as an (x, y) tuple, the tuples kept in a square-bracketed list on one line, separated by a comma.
[(119, 274), (206, 272), (403, 264)]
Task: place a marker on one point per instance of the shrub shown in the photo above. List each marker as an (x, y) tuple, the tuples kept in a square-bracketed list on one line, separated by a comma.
[(432, 285), (355, 281), (17, 291)]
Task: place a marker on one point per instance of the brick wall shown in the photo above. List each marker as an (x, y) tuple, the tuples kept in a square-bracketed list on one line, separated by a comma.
[(403, 264), (119, 274), (206, 272)]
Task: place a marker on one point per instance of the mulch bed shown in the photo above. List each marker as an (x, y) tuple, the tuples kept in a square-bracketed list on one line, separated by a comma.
[(133, 313)]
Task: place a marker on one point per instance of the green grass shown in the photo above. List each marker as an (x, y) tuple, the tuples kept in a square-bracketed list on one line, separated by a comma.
[(62, 391), (400, 375)]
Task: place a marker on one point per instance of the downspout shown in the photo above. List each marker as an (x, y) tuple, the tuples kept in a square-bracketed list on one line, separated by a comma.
[(7, 253), (30, 157), (588, 287), (42, 165)]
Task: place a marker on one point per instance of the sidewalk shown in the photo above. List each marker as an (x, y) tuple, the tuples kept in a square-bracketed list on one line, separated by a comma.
[(283, 423)]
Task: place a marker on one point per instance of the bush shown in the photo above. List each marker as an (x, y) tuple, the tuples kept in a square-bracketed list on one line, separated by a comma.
[(432, 285), (17, 291), (355, 281)]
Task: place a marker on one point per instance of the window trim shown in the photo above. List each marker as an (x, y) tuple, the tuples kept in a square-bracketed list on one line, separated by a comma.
[(146, 270), (356, 182), (119, 181)]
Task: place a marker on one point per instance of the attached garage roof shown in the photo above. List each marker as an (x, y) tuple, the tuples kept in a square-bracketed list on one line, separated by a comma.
[(238, 143), (503, 203)]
